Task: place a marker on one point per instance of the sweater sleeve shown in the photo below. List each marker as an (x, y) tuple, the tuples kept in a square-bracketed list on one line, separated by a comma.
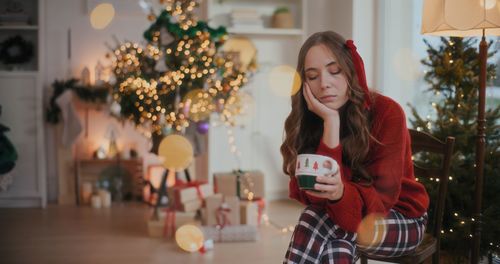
[(386, 167)]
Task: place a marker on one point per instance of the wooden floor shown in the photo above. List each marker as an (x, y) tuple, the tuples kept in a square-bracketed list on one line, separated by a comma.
[(68, 234), (74, 235)]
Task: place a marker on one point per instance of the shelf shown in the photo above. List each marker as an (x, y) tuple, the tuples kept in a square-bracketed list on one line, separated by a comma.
[(5, 73), (266, 31), (18, 27)]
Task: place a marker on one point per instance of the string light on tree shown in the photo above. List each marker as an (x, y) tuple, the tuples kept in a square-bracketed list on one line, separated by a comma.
[(451, 75), (155, 82)]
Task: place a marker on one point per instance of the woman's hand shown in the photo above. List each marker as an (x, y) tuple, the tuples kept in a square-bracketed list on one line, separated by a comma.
[(317, 107), (330, 186), (331, 117)]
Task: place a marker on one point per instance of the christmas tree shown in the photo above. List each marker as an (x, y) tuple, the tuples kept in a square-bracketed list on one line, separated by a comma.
[(452, 76), (180, 76)]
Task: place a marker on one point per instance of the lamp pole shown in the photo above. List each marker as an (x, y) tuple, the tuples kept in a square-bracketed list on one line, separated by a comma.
[(480, 145)]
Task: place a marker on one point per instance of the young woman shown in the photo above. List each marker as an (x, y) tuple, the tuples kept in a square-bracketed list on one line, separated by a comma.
[(334, 114)]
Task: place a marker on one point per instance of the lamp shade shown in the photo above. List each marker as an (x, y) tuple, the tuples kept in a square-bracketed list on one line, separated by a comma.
[(461, 18)]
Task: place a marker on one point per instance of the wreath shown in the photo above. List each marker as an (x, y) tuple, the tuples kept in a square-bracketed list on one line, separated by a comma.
[(16, 50)]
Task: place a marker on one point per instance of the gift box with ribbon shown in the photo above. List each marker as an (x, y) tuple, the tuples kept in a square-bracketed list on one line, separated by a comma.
[(188, 197), (221, 210), (248, 185), (251, 212)]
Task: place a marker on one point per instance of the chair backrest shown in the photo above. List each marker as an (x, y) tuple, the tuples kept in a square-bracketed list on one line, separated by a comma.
[(424, 142)]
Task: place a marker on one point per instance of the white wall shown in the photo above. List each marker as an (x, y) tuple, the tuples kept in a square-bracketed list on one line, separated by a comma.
[(333, 15), (364, 35), (397, 68)]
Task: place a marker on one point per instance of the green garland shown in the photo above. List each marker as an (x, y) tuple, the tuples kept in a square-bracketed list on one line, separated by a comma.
[(85, 93), (16, 50), (163, 21)]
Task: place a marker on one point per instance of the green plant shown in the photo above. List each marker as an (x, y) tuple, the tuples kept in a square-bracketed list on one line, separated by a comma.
[(282, 9)]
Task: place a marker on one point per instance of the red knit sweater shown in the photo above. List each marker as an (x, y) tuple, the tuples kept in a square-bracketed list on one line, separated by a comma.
[(390, 165)]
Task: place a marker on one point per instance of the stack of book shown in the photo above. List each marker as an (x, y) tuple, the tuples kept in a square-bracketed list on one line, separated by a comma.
[(246, 19)]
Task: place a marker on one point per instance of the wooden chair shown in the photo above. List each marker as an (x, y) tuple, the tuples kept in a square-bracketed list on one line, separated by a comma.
[(424, 142)]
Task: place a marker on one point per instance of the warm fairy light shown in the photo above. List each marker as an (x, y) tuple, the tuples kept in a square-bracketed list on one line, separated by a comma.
[(151, 79)]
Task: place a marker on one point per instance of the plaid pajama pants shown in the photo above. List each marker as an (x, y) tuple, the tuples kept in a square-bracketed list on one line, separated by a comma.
[(316, 239)]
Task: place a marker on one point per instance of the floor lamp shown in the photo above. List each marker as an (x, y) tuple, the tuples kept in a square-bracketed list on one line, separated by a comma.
[(468, 18)]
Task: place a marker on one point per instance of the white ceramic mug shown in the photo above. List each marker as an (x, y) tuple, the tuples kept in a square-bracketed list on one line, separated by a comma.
[(309, 166)]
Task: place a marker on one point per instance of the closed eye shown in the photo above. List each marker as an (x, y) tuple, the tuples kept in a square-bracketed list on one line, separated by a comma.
[(335, 72)]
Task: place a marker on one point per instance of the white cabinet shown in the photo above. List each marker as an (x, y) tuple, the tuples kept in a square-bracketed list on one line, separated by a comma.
[(22, 108), (260, 139)]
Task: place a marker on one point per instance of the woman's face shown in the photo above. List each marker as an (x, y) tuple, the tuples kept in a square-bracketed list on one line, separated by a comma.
[(325, 78)]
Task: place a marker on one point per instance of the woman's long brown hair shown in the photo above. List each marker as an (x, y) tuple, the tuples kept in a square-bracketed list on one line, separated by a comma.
[(304, 129)]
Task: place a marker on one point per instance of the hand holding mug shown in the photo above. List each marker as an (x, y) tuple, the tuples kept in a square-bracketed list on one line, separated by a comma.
[(319, 176), (330, 186)]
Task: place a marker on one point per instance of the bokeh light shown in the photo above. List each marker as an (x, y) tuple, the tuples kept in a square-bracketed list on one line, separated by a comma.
[(488, 3), (371, 230), (102, 15), (189, 238), (284, 81), (176, 151)]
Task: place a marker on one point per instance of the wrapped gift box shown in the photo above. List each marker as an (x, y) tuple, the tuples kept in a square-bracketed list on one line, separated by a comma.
[(189, 206), (214, 204), (230, 233), (249, 213), (247, 185), (187, 192)]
